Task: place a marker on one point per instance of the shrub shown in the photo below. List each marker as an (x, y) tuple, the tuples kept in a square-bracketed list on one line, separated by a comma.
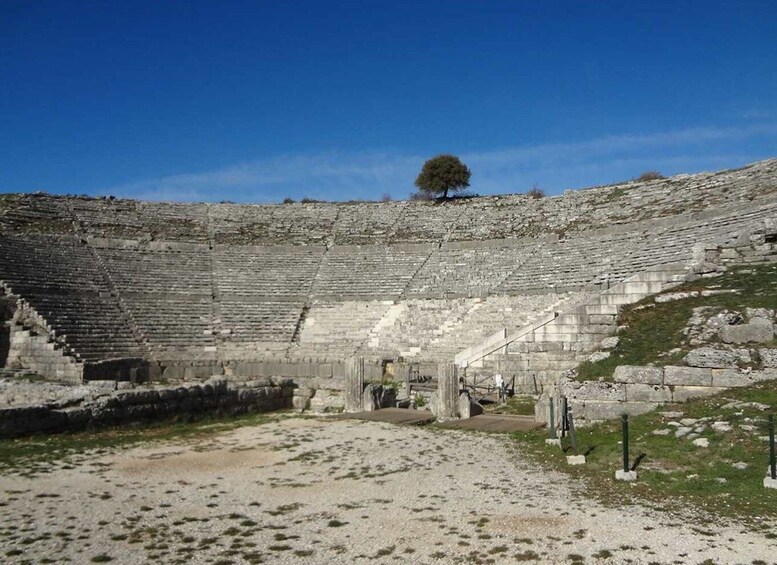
[(650, 175), (536, 192), (421, 197), (288, 200)]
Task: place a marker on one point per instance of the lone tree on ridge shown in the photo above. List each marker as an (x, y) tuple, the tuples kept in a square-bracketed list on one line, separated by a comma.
[(441, 174)]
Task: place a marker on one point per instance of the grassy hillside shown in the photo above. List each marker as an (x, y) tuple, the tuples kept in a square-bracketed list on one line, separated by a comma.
[(654, 330)]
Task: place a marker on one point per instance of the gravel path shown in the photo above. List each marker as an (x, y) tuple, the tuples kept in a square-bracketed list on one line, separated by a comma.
[(336, 491)]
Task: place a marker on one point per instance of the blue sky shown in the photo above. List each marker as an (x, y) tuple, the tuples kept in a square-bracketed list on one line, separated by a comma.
[(256, 101)]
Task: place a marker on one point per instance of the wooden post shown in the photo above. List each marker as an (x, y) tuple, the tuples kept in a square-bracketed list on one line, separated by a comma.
[(354, 385), (447, 392)]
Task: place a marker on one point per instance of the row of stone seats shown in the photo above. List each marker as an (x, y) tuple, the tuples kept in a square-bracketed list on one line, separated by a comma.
[(492, 314), (573, 262), (34, 214), (92, 326), (134, 219), (283, 271), (244, 320), (469, 271), (339, 327), (408, 326), (289, 224), (511, 216), (380, 272), (168, 320), (184, 271)]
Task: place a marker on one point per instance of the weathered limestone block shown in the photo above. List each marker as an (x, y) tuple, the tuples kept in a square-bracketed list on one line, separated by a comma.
[(685, 393), (638, 374), (594, 390), (447, 392), (687, 376), (610, 342), (717, 358), (735, 378), (768, 357), (759, 330), (468, 407), (370, 400), (648, 393), (354, 401), (591, 410)]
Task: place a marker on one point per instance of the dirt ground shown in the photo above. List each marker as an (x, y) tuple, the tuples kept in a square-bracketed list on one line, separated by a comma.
[(305, 490)]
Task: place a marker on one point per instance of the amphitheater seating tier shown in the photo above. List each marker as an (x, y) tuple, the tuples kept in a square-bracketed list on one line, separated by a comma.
[(127, 278)]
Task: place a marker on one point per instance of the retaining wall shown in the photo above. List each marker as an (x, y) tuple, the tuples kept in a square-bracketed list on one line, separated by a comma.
[(637, 390), (110, 404)]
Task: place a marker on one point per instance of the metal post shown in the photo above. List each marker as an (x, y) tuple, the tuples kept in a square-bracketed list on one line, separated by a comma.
[(772, 459), (551, 422), (572, 434), (563, 416), (625, 418)]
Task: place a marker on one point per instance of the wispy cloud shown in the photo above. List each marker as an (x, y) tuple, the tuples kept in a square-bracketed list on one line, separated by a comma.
[(554, 166)]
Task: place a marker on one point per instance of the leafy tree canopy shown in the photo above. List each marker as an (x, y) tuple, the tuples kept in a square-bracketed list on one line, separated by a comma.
[(441, 174)]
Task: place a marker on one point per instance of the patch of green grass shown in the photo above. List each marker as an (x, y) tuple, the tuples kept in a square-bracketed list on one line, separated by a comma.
[(655, 328), (520, 404), (673, 473)]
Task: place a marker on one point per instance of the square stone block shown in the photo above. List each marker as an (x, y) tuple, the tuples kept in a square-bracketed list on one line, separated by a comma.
[(685, 393), (638, 374), (687, 376), (648, 393)]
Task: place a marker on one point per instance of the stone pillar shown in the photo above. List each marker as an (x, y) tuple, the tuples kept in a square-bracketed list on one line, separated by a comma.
[(447, 392), (354, 384), (402, 377)]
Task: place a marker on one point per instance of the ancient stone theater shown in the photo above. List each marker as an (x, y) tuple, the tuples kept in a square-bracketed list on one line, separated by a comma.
[(105, 289)]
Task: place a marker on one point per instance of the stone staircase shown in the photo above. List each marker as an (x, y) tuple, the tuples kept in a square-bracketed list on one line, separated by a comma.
[(537, 354)]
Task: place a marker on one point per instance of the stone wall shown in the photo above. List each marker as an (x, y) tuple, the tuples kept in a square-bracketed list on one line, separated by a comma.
[(111, 404), (636, 390)]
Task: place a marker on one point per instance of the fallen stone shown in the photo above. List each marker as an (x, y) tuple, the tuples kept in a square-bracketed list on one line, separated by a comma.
[(768, 357), (682, 431), (609, 342), (575, 459), (597, 356), (740, 465), (664, 432), (721, 480), (672, 414), (706, 293), (701, 442), (716, 358), (770, 483), (672, 296), (759, 330), (759, 313), (688, 421), (721, 427)]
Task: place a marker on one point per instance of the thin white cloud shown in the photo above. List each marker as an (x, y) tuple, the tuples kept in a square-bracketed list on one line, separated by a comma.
[(368, 175)]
